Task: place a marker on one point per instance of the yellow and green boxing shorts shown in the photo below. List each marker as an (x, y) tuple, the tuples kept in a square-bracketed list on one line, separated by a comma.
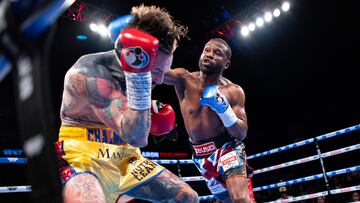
[(118, 166)]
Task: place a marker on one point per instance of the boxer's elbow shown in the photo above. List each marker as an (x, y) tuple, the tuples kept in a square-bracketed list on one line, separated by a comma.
[(239, 130), (242, 128), (242, 132), (239, 134)]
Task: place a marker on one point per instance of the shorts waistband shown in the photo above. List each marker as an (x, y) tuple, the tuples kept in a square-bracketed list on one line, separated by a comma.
[(207, 147), (94, 134)]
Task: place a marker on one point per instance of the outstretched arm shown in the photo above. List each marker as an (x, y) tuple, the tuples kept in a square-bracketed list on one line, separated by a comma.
[(177, 78)]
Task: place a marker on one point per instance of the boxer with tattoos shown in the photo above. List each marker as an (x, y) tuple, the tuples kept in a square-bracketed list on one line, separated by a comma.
[(105, 116)]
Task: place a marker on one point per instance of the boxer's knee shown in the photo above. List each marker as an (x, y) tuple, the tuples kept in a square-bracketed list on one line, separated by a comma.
[(190, 196), (186, 194), (83, 188), (238, 189), (241, 199)]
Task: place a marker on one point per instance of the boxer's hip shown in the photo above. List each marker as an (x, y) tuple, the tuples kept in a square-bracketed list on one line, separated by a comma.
[(119, 167), (205, 148), (218, 159)]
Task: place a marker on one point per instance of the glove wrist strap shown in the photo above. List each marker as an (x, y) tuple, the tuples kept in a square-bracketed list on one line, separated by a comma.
[(228, 118), (138, 90)]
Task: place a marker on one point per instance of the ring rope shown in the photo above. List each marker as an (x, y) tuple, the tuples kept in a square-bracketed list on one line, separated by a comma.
[(27, 188), (173, 161), (13, 160), (307, 178), (309, 158), (17, 160), (289, 182), (272, 151), (345, 189), (319, 194), (207, 197), (305, 142), (192, 178), (12, 189), (302, 197)]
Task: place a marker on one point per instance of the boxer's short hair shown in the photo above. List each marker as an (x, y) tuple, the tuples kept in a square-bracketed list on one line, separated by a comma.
[(158, 23)]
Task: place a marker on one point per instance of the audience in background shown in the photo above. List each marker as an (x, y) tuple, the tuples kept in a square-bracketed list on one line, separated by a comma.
[(321, 199), (355, 197), (283, 194), (336, 182)]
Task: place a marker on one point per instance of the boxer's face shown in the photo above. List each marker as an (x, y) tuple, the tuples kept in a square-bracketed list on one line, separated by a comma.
[(213, 59), (161, 65)]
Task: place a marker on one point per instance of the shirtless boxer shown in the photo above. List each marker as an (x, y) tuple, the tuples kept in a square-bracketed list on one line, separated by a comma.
[(213, 109), (105, 116)]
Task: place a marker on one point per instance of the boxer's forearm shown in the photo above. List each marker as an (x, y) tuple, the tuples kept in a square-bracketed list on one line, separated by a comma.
[(135, 127)]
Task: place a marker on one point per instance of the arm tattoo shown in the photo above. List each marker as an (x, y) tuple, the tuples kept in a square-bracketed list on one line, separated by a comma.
[(101, 95), (106, 104), (106, 99), (141, 124), (74, 85)]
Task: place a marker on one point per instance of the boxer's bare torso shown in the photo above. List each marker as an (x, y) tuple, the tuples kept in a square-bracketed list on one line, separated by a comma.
[(200, 122)]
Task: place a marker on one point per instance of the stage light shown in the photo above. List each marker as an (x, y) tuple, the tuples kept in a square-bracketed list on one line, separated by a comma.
[(251, 26), (94, 27), (103, 30), (255, 17), (276, 12), (245, 31), (259, 22), (81, 37), (285, 6), (268, 16)]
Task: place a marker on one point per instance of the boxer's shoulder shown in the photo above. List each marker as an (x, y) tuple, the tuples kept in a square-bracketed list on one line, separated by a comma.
[(225, 83), (232, 89), (182, 72), (92, 65), (195, 74)]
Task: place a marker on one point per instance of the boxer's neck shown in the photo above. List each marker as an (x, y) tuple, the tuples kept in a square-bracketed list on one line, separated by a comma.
[(207, 79)]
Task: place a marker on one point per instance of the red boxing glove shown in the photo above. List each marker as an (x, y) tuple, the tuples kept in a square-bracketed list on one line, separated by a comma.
[(162, 118), (136, 50)]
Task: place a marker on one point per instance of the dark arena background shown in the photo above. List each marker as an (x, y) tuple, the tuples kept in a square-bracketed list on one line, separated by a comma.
[(299, 73)]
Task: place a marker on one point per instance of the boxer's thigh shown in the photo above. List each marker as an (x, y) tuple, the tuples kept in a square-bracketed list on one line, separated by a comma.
[(83, 187), (165, 187)]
